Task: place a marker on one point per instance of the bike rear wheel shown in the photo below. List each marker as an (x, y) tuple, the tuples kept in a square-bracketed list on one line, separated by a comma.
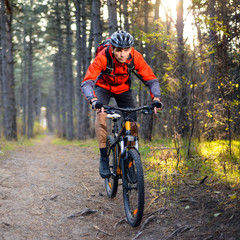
[(111, 183), (133, 187)]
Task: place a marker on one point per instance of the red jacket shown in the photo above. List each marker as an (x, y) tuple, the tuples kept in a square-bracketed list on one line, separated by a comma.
[(118, 82)]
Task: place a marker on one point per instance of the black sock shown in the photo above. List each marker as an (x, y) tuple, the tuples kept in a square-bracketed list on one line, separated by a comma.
[(103, 152)]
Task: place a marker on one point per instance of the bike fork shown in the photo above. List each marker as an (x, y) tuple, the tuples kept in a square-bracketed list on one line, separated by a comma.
[(136, 142)]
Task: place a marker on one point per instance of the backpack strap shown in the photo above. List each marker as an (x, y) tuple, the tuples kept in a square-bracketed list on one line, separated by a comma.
[(131, 69), (137, 75), (110, 64), (130, 66)]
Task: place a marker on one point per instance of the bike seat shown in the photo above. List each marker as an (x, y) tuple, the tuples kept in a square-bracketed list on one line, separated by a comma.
[(113, 116)]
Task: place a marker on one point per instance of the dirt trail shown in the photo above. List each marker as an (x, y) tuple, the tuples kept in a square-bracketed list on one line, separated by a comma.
[(50, 192), (55, 192), (42, 186)]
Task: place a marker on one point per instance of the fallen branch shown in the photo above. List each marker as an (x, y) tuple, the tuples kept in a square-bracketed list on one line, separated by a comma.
[(160, 211), (109, 234), (149, 219), (5, 224), (152, 202), (179, 230), (86, 187), (191, 186), (188, 200), (202, 181), (53, 198), (84, 212), (138, 234), (120, 222), (208, 238)]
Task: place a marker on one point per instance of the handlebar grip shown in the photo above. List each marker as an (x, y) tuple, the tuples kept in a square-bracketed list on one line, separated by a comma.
[(157, 104)]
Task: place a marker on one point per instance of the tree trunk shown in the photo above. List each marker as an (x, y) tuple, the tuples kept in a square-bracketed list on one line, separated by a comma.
[(96, 22), (61, 88), (126, 15), (1, 89), (57, 91), (37, 100), (147, 121), (24, 82), (96, 29), (121, 16), (30, 116), (212, 35), (92, 115), (79, 71), (85, 63), (8, 86), (212, 72), (112, 16), (5, 88), (70, 130), (156, 17), (49, 112), (181, 72), (10, 75)]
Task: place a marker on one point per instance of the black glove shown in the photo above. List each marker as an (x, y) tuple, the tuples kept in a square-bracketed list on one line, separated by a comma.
[(157, 104), (97, 105)]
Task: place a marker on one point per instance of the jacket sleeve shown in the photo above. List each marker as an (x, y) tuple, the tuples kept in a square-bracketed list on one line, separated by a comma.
[(94, 70), (146, 74)]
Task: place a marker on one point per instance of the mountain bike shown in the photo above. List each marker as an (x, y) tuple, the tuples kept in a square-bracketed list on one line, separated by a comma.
[(125, 163)]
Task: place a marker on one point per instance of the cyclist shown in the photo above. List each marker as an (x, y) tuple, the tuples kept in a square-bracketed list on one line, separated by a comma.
[(116, 85)]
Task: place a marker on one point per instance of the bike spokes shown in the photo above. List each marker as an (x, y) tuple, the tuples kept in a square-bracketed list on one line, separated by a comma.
[(131, 172), (133, 188), (111, 183)]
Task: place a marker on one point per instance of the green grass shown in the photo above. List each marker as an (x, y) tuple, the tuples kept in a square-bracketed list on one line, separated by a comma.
[(80, 143), (218, 161), (218, 148), (165, 171), (6, 146)]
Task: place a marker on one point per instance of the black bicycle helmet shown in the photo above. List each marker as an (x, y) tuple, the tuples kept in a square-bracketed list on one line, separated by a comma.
[(122, 39)]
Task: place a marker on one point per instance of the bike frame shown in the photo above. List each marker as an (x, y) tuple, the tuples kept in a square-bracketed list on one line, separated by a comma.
[(123, 139), (119, 136), (126, 163)]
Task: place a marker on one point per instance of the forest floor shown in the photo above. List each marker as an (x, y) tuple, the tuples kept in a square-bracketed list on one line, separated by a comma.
[(55, 192)]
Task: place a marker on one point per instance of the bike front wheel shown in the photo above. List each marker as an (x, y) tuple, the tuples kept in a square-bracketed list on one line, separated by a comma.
[(111, 183), (133, 187)]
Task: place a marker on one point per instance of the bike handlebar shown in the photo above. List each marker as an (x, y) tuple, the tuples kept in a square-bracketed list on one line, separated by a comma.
[(147, 109)]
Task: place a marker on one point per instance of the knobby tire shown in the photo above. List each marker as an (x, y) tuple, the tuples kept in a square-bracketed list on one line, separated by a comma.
[(111, 184), (133, 187)]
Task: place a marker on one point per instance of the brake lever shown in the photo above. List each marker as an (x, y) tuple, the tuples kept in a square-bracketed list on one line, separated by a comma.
[(147, 111), (110, 111)]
